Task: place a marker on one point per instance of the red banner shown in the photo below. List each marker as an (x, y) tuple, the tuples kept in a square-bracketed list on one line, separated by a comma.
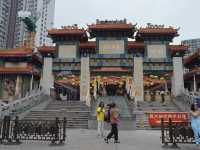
[(176, 117)]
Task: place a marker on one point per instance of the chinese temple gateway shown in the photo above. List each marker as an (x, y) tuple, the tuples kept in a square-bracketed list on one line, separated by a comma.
[(112, 55), (111, 61)]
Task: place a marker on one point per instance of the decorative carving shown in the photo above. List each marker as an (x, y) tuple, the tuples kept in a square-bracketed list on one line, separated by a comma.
[(75, 26), (9, 87), (150, 25), (110, 21)]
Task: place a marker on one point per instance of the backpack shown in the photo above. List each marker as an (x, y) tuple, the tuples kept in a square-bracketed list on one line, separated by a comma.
[(107, 116)]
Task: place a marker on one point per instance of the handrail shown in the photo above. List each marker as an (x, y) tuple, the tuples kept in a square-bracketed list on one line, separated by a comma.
[(184, 100), (19, 103)]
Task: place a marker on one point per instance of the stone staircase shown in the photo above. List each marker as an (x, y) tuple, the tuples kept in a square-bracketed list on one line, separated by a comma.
[(143, 108), (76, 113)]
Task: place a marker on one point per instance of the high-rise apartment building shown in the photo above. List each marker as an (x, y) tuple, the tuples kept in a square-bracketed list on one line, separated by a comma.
[(4, 21), (46, 9), (43, 11), (12, 29), (15, 27), (193, 44)]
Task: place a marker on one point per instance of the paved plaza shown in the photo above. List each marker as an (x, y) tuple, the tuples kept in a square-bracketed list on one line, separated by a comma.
[(82, 139)]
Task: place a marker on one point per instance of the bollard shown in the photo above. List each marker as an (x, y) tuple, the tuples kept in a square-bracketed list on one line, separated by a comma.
[(165, 144), (6, 130), (171, 135), (16, 130), (64, 131), (55, 132)]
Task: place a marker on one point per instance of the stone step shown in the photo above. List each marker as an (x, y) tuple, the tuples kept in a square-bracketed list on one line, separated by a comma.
[(58, 111), (61, 113), (64, 106), (53, 118), (67, 106), (66, 103), (77, 124), (69, 118), (69, 109), (77, 127), (158, 110), (76, 113)]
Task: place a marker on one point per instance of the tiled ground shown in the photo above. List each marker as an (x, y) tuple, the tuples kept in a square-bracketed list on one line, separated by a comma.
[(88, 140)]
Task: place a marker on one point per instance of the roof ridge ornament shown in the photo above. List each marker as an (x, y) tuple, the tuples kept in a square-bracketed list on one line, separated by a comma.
[(178, 28), (116, 21), (70, 27), (155, 26)]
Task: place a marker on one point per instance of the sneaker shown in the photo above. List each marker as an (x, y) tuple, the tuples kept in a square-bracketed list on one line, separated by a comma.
[(106, 140), (116, 141)]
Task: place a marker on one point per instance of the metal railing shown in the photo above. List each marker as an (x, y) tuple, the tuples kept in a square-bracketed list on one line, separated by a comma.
[(174, 133), (15, 131)]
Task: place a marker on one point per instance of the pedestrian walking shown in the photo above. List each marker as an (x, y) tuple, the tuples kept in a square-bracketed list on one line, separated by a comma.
[(162, 93), (100, 119), (195, 123), (114, 120)]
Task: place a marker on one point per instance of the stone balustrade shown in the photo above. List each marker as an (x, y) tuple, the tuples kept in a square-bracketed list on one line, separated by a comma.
[(156, 96), (20, 105)]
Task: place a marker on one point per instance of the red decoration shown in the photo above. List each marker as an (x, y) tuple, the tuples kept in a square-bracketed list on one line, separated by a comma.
[(177, 118)]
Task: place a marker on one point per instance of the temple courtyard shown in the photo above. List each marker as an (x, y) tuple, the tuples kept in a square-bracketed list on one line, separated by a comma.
[(83, 139)]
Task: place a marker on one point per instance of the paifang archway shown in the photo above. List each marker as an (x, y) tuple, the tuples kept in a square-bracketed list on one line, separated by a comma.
[(116, 49)]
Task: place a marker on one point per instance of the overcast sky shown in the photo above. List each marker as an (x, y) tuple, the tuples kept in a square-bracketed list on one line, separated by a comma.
[(178, 13)]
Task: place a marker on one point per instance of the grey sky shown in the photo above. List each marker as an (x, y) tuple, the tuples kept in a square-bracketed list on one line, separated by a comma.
[(177, 13)]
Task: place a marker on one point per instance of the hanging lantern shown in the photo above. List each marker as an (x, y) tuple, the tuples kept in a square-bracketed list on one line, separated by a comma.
[(98, 77), (156, 77), (151, 76), (162, 78)]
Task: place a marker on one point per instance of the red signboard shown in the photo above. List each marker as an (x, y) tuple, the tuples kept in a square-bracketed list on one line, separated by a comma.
[(176, 117)]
